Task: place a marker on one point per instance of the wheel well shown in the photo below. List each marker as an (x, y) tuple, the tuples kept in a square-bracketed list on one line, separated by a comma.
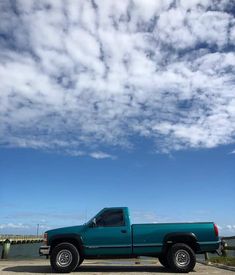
[(185, 239), (73, 241)]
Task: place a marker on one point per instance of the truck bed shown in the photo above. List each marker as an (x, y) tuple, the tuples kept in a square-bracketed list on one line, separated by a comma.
[(149, 238)]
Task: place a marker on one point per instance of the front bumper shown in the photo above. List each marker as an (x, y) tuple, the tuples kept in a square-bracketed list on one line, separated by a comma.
[(44, 250)]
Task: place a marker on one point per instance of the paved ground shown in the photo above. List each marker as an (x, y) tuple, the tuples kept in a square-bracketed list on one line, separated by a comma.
[(103, 267)]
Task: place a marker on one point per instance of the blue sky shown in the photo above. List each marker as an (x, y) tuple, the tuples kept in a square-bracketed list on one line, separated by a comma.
[(98, 97), (56, 190)]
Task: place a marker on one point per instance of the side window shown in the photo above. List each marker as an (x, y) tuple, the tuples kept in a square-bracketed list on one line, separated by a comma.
[(111, 218)]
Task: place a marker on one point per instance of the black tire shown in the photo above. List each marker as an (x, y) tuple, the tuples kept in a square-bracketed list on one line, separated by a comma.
[(163, 260), (181, 258), (80, 261), (64, 258)]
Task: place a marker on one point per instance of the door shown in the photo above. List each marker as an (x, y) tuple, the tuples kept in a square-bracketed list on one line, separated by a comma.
[(109, 234)]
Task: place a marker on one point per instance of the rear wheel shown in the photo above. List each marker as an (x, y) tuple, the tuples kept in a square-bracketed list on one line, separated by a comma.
[(64, 258), (181, 258), (163, 260)]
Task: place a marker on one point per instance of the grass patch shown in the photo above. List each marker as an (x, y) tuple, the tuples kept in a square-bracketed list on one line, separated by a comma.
[(230, 261)]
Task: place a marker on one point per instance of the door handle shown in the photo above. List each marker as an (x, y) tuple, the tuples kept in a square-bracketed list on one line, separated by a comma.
[(123, 231)]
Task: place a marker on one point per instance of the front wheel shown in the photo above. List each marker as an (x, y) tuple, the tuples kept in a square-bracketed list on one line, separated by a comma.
[(163, 260), (64, 258), (181, 258)]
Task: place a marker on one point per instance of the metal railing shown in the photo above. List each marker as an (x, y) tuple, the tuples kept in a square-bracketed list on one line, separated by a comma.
[(14, 239)]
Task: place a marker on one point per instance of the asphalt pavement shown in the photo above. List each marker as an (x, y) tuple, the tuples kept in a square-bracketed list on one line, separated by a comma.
[(104, 267)]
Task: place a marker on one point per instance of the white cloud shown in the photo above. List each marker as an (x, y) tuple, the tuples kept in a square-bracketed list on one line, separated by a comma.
[(77, 76), (101, 155), (144, 217), (231, 227), (227, 230), (22, 229), (14, 226)]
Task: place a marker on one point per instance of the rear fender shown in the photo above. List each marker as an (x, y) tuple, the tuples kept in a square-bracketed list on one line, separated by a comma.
[(188, 238)]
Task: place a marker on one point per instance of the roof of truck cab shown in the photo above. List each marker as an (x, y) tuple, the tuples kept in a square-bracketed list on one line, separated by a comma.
[(116, 207)]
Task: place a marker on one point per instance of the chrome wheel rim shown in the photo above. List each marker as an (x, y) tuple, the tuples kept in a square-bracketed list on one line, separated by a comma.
[(182, 258), (64, 258)]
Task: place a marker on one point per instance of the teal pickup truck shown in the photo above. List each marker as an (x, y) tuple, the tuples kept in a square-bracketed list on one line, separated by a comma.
[(110, 235)]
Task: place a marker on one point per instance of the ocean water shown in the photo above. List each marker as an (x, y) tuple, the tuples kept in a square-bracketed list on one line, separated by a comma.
[(30, 251), (23, 251), (231, 243)]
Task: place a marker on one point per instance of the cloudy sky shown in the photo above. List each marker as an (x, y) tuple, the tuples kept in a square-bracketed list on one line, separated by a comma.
[(101, 80)]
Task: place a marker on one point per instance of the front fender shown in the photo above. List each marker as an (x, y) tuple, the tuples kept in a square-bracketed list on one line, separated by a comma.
[(75, 239)]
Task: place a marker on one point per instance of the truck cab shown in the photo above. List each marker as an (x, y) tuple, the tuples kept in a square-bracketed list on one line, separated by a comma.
[(109, 233)]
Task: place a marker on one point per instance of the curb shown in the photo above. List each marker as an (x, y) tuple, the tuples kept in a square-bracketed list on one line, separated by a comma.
[(221, 266)]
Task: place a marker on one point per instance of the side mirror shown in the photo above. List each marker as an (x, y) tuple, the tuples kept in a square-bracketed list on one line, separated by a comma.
[(93, 223)]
